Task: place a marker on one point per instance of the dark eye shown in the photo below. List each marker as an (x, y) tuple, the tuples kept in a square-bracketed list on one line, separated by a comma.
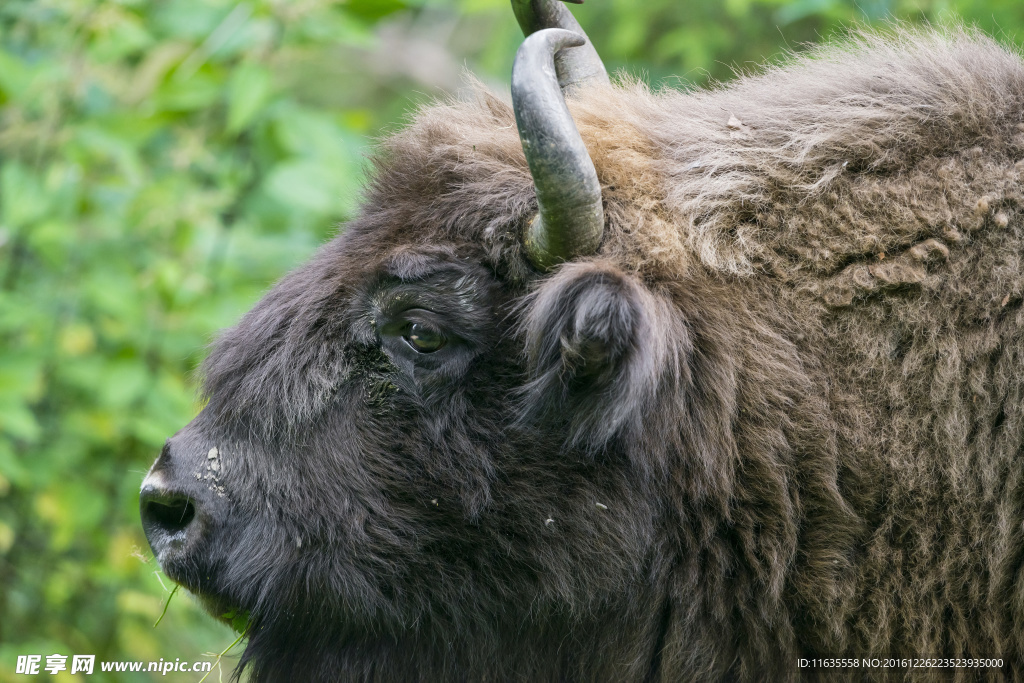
[(423, 339)]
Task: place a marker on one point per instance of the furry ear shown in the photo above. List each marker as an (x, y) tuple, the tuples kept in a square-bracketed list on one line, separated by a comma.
[(597, 346)]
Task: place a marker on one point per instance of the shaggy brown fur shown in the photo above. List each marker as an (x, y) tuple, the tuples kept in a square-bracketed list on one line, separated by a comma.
[(870, 195), (792, 374)]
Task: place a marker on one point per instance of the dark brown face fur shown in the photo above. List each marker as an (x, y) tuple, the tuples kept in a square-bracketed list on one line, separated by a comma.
[(372, 497), (506, 494), (764, 422)]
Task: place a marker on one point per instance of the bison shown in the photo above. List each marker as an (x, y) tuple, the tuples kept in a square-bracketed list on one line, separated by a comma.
[(609, 384)]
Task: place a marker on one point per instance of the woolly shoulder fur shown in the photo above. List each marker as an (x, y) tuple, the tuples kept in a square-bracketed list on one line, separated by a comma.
[(870, 193)]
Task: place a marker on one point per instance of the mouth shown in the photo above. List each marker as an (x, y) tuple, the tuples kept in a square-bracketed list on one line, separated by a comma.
[(187, 532), (220, 609), (183, 563), (235, 617)]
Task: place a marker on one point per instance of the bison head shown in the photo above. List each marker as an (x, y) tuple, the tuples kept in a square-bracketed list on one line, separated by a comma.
[(467, 440)]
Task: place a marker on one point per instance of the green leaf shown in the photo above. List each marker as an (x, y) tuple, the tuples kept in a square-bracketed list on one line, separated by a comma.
[(102, 144), (248, 92), (239, 620), (800, 9), (22, 197), (15, 76), (10, 468), (17, 420), (306, 185), (118, 35), (199, 91)]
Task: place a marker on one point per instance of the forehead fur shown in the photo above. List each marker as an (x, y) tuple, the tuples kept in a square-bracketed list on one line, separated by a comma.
[(849, 149)]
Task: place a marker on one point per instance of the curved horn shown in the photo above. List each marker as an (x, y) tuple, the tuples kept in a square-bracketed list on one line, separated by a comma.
[(570, 218), (574, 67)]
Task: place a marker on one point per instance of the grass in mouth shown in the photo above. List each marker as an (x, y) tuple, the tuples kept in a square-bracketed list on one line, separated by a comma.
[(216, 662), (239, 620), (167, 603)]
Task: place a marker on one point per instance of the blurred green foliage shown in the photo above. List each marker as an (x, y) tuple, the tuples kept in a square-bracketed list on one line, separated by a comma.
[(162, 162)]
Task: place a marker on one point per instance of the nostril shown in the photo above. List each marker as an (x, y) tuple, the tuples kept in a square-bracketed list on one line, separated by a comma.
[(172, 515), (165, 512)]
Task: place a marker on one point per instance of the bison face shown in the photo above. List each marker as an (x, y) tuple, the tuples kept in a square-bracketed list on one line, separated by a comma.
[(401, 449), (430, 454), (468, 441), (423, 454)]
